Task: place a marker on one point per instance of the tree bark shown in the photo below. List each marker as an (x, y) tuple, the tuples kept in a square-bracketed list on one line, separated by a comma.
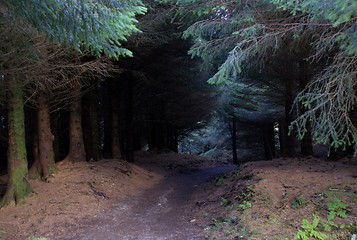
[(283, 135), (105, 100), (306, 141), (35, 169), (176, 139), (268, 137), (3, 139), (86, 126), (44, 164), (76, 144), (17, 186), (94, 125), (115, 102), (90, 125), (129, 122), (288, 142), (234, 140)]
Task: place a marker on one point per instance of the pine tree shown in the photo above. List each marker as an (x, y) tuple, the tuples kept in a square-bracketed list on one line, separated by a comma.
[(85, 25), (249, 38), (97, 27)]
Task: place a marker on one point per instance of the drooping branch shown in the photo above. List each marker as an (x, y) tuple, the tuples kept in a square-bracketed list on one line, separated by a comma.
[(329, 99)]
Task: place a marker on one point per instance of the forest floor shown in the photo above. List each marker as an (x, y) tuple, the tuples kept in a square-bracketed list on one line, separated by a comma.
[(269, 200), (171, 196)]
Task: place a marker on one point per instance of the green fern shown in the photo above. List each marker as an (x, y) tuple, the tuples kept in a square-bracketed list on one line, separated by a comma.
[(308, 230), (336, 209)]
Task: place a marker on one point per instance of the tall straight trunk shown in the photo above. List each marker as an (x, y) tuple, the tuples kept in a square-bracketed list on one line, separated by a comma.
[(76, 144), (268, 137), (86, 126), (352, 149), (290, 143), (3, 134), (106, 118), (17, 186), (153, 139), (35, 169), (234, 140), (60, 129), (272, 139), (44, 164), (94, 125), (283, 135), (129, 122), (176, 139), (137, 142), (171, 137), (57, 133), (115, 102), (306, 141), (90, 125)]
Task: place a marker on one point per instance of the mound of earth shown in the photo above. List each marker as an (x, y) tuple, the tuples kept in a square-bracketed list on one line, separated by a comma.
[(77, 191), (269, 199)]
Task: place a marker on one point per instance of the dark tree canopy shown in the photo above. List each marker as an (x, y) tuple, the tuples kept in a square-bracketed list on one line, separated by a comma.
[(281, 76)]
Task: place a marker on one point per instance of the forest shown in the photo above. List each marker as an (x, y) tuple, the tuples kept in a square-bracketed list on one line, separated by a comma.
[(244, 80)]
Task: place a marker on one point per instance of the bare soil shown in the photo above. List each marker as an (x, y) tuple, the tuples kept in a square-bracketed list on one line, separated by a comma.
[(269, 199), (80, 193), (170, 196)]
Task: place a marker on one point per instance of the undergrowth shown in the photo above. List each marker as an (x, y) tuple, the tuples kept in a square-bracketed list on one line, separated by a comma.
[(333, 220), (225, 224)]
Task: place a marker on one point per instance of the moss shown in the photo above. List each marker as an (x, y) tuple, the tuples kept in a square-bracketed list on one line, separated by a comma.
[(18, 186), (22, 187)]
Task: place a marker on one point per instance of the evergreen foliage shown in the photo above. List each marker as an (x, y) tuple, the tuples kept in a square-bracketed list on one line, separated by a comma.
[(86, 25), (330, 98), (239, 39)]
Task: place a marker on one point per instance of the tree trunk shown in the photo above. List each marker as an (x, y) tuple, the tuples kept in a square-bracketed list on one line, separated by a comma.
[(306, 141), (115, 101), (86, 126), (129, 122), (17, 186), (60, 130), (76, 144), (288, 148), (176, 139), (234, 140), (268, 137), (35, 169), (352, 149), (90, 125), (283, 135), (3, 138), (106, 120), (44, 164), (94, 125)]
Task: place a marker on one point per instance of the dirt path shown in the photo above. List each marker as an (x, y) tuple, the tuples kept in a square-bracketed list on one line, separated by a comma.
[(160, 213)]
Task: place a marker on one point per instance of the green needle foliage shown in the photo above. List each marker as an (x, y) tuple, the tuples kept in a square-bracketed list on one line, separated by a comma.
[(247, 39), (338, 14), (98, 26), (329, 99)]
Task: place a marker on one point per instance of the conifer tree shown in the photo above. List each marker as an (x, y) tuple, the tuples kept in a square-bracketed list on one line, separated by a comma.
[(98, 27), (85, 25), (244, 38)]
